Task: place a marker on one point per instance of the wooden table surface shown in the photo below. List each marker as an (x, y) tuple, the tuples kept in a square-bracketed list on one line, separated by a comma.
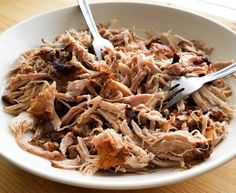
[(15, 180)]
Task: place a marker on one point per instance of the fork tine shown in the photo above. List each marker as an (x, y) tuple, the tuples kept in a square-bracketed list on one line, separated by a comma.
[(176, 97), (174, 86), (172, 91)]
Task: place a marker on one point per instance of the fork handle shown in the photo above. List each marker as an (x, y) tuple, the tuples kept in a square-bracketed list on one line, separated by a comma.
[(221, 73), (84, 6)]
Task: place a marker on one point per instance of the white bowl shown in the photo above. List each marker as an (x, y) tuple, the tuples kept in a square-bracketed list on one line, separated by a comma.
[(28, 34)]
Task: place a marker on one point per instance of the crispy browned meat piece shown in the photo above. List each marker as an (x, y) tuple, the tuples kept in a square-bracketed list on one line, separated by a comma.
[(43, 105), (112, 151)]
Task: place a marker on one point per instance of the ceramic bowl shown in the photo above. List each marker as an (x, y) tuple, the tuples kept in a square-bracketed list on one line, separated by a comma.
[(144, 16)]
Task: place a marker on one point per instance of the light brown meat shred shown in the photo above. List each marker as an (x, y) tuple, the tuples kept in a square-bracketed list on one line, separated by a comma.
[(179, 146), (67, 141), (94, 115)]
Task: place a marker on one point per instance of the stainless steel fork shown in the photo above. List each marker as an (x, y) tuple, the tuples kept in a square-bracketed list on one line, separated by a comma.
[(183, 87), (99, 43)]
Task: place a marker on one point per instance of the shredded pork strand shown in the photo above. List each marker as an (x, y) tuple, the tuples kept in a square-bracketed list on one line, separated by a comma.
[(105, 115)]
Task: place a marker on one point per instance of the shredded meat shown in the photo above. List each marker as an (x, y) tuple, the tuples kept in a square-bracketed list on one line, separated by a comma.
[(67, 141), (92, 115), (20, 125)]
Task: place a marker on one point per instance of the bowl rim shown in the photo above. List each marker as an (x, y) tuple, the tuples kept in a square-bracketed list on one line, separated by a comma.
[(151, 182)]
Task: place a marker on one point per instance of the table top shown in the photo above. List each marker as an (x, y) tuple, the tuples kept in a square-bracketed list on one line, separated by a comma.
[(15, 180)]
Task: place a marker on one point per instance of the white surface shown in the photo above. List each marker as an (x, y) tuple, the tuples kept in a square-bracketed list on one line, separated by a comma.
[(219, 8), (231, 4), (28, 34)]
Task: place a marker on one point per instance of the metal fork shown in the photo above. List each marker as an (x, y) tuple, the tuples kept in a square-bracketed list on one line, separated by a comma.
[(99, 43), (183, 87)]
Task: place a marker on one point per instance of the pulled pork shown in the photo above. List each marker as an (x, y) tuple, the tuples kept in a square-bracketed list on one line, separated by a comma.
[(105, 115)]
